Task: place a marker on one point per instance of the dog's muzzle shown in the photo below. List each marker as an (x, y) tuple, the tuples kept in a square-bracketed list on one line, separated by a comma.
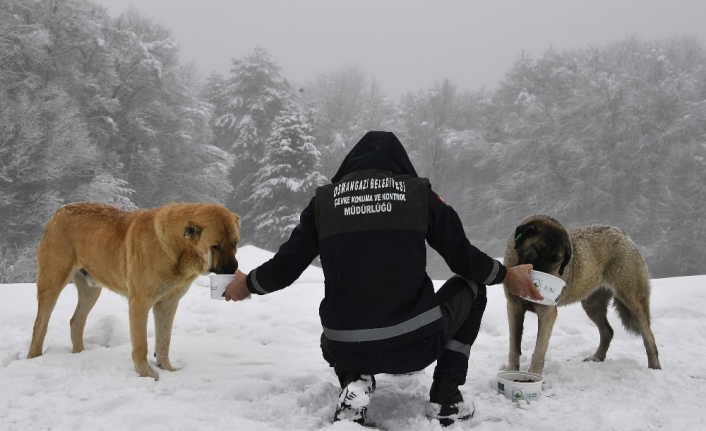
[(229, 268)]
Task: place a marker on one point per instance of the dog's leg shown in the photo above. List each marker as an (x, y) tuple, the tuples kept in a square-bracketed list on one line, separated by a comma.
[(49, 286), (546, 316), (46, 302), (87, 296), (515, 318), (164, 312), (596, 307), (139, 312), (648, 340), (634, 311)]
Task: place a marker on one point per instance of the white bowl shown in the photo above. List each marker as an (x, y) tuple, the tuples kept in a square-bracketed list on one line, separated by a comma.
[(520, 385), (219, 283), (549, 287)]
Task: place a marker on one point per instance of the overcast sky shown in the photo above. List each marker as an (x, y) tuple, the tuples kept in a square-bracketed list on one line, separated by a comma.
[(407, 44)]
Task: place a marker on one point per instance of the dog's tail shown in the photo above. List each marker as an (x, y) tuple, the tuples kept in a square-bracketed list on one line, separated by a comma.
[(629, 319)]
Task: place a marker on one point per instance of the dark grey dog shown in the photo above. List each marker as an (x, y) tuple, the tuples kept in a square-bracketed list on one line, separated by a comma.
[(597, 263)]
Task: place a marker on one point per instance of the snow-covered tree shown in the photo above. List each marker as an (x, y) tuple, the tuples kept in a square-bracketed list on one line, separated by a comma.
[(47, 142), (164, 140), (97, 109), (342, 105), (286, 181), (608, 135), (427, 117), (246, 105)]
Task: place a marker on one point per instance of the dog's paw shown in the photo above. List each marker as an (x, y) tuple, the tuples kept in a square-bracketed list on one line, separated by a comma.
[(145, 370), (169, 367), (164, 363), (34, 352)]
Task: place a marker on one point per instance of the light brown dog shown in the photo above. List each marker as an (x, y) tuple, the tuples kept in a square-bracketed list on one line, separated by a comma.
[(597, 263), (149, 256)]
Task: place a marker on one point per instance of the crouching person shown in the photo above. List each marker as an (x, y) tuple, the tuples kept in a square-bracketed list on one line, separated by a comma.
[(380, 313)]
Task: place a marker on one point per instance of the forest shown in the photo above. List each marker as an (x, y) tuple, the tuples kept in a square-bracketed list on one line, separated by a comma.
[(100, 108)]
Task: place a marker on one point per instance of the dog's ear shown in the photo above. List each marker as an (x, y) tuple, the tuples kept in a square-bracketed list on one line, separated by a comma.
[(567, 257), (192, 231), (522, 232), (237, 219)]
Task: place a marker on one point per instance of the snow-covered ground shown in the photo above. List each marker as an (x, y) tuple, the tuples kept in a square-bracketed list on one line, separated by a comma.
[(256, 365)]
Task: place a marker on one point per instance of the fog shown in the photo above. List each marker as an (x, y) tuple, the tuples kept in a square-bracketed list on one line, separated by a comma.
[(407, 44), (590, 112)]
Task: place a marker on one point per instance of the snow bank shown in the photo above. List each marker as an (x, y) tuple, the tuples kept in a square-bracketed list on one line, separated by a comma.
[(256, 365)]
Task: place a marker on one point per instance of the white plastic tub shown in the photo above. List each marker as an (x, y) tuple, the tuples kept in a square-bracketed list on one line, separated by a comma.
[(520, 385), (549, 287), (218, 284)]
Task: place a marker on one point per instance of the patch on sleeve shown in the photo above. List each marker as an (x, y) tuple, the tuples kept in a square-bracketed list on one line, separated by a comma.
[(441, 199)]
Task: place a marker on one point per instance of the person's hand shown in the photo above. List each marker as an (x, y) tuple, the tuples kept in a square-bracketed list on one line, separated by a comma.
[(237, 290), (518, 282)]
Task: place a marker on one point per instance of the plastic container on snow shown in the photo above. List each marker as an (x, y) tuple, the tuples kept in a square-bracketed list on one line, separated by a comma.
[(520, 385)]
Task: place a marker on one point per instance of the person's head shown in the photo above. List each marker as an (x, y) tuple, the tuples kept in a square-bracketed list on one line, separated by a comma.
[(377, 150)]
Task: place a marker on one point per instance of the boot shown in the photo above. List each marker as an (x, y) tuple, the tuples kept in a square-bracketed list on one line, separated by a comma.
[(354, 399), (446, 402)]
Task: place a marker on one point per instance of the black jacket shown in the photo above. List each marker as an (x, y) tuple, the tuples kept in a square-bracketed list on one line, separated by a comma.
[(380, 312)]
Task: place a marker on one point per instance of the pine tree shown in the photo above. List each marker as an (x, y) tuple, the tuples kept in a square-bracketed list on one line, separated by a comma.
[(286, 181), (214, 92), (246, 104)]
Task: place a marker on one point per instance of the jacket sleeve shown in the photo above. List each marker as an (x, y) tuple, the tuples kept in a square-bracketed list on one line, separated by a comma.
[(446, 235), (293, 257)]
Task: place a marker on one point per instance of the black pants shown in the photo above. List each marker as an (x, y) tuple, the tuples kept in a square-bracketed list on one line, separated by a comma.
[(462, 305)]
